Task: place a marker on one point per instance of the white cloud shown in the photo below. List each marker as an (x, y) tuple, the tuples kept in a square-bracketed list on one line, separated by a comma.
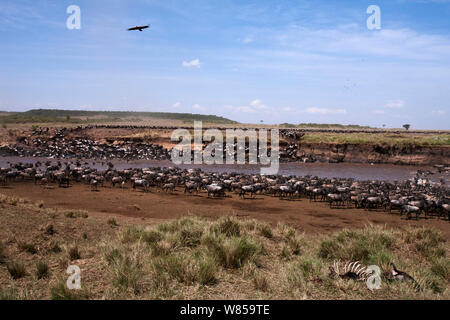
[(395, 104), (325, 111), (438, 112), (254, 106), (379, 111), (177, 104), (258, 105), (197, 107), (288, 109), (193, 63), (248, 39)]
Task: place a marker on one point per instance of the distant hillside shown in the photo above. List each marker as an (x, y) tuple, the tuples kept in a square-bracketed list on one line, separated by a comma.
[(80, 116)]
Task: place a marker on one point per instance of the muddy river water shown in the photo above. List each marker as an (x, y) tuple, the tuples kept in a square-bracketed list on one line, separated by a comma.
[(340, 170)]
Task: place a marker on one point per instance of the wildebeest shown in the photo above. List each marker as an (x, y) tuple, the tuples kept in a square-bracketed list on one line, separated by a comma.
[(247, 189), (408, 209), (169, 187), (215, 190), (140, 183), (63, 181), (116, 180), (191, 187)]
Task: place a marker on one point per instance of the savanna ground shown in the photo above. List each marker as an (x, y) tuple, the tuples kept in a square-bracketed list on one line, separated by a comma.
[(194, 257), (131, 245)]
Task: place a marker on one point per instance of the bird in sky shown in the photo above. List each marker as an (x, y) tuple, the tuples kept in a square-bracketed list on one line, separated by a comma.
[(140, 28)]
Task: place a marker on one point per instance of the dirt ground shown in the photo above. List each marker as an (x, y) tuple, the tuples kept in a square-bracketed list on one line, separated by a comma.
[(156, 206)]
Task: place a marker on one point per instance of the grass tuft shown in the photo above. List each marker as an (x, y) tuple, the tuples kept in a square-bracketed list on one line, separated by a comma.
[(42, 270), (16, 270)]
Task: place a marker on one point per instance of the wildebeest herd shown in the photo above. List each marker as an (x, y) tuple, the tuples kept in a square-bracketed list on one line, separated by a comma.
[(72, 143), (417, 197)]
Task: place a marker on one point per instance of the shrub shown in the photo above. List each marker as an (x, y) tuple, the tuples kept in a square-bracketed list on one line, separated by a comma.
[(41, 270), (229, 227), (70, 214), (74, 253), (366, 245), (152, 237), (125, 271), (112, 222), (27, 247), (234, 252), (266, 231), (201, 269), (49, 229), (310, 267), (54, 247), (189, 237), (429, 243), (132, 234), (60, 292), (260, 282), (207, 271), (441, 268), (16, 270)]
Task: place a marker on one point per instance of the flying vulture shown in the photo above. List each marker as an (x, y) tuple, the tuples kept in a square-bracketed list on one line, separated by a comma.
[(140, 28)]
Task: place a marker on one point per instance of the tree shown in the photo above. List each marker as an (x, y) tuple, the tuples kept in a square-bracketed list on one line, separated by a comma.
[(406, 126)]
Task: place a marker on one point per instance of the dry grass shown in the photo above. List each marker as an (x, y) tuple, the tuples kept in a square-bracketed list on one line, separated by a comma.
[(194, 258)]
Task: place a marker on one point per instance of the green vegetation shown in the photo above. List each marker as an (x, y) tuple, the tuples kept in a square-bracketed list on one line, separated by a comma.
[(42, 270), (198, 258), (59, 291), (16, 270), (79, 116), (382, 139)]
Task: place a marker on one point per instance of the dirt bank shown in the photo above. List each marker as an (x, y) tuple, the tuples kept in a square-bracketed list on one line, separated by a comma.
[(376, 153), (310, 217)]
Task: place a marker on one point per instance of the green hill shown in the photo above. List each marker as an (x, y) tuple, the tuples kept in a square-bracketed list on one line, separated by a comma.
[(76, 116)]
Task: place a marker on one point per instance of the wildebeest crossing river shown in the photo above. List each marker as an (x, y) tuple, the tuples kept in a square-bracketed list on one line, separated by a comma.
[(386, 172)]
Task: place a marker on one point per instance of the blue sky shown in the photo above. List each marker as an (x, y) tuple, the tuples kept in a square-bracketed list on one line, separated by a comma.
[(276, 61)]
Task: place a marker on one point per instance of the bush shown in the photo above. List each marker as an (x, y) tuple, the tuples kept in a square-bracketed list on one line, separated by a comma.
[(49, 229), (27, 247), (234, 252), (41, 270), (429, 243), (189, 237), (266, 231), (125, 271), (74, 253), (229, 227), (201, 269), (260, 282), (132, 234), (54, 247), (368, 246), (61, 292), (441, 268), (112, 222), (152, 237), (16, 270)]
